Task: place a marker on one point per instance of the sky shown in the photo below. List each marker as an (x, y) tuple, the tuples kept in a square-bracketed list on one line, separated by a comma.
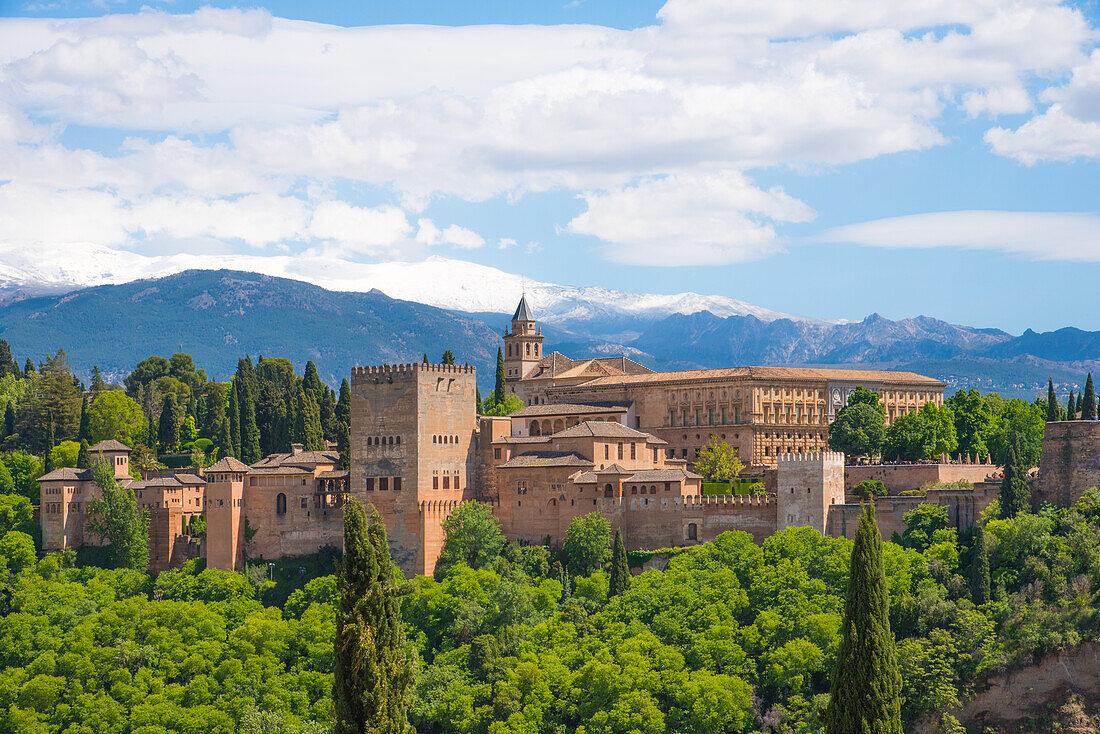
[(827, 158)]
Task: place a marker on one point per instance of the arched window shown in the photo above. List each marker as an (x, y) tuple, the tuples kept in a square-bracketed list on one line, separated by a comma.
[(280, 504), (608, 491), (397, 440), (528, 350)]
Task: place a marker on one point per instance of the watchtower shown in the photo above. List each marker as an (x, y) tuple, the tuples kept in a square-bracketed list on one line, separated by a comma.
[(224, 497), (413, 453), (523, 344), (807, 485)]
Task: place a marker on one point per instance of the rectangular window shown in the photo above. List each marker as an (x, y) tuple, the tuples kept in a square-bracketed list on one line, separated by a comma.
[(607, 451), (435, 482), (397, 484), (521, 487), (370, 484), (633, 450), (456, 482), (446, 482), (698, 416), (672, 419), (496, 453), (305, 502), (710, 416), (620, 449), (383, 484)]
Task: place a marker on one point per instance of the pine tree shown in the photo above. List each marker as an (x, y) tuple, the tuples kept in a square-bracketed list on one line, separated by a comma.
[(1015, 494), (84, 457), (1088, 410), (98, 383), (8, 365), (1052, 402), (250, 434), (448, 357), (82, 433), (498, 391), (979, 568), (1071, 408), (50, 439), (620, 570), (28, 368), (866, 689), (375, 667), (233, 412), (9, 420)]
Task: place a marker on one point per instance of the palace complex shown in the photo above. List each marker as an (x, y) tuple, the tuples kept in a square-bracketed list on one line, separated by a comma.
[(605, 435)]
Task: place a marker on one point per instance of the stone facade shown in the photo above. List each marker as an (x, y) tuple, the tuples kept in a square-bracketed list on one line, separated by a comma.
[(1070, 462), (807, 486), (964, 508), (902, 477), (413, 451)]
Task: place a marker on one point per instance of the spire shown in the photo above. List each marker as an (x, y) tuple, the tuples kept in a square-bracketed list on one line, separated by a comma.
[(523, 311)]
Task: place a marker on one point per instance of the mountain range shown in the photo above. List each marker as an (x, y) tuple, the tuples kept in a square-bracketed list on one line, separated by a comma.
[(439, 304)]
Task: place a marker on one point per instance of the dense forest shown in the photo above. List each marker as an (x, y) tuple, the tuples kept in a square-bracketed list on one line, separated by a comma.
[(729, 637)]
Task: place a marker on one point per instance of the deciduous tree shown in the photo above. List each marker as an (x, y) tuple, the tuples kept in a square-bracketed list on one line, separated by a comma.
[(718, 461), (471, 535), (587, 543), (119, 519)]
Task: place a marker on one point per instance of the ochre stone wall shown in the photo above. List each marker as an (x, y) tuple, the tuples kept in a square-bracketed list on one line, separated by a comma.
[(807, 485), (903, 477), (964, 508), (1070, 462)]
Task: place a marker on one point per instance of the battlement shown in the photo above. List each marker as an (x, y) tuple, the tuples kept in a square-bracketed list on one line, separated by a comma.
[(821, 457), (702, 500), (411, 369)]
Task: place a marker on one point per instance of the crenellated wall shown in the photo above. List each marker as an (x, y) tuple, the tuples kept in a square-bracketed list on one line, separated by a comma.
[(1070, 462), (903, 477), (964, 508)]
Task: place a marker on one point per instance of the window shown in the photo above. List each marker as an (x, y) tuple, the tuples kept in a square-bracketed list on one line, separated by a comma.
[(280, 504), (633, 489), (496, 453), (435, 482), (521, 487), (370, 484), (305, 502), (633, 450), (693, 531), (397, 484), (607, 451), (383, 484), (620, 449), (446, 482)]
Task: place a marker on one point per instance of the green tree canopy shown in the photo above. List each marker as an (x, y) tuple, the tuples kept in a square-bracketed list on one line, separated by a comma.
[(587, 543), (115, 415), (619, 581), (718, 461), (1088, 408), (973, 419), (858, 428), (118, 518), (925, 434), (1018, 422), (471, 535)]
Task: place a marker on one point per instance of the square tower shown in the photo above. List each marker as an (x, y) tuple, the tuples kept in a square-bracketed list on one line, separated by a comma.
[(413, 453), (522, 345), (225, 536), (807, 485)]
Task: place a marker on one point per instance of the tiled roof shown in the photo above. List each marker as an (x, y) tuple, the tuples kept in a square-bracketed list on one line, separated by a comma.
[(305, 458), (110, 445), (600, 429), (66, 474), (523, 311), (522, 439), (546, 458), (557, 365), (614, 469), (279, 470), (334, 474), (662, 475), (157, 482), (554, 409), (228, 464), (189, 479), (773, 373)]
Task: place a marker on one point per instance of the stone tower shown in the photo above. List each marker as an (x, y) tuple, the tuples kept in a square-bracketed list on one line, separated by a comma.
[(807, 484), (224, 497), (523, 344), (413, 452)]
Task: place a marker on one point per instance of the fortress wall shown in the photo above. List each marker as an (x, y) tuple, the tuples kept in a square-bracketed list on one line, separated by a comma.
[(964, 507), (903, 477), (1070, 462)]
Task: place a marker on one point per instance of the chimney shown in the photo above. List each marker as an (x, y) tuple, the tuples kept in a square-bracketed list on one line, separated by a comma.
[(296, 448)]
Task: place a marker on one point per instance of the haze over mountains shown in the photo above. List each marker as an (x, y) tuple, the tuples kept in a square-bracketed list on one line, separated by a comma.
[(441, 304)]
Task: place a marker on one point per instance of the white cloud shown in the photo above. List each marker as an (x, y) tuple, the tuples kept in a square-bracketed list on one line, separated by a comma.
[(689, 220), (1037, 235), (632, 118), (505, 242)]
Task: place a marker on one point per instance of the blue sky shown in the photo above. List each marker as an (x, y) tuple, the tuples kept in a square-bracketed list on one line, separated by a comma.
[(827, 158)]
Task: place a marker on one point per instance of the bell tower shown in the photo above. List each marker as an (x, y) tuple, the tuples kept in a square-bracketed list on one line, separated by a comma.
[(523, 344)]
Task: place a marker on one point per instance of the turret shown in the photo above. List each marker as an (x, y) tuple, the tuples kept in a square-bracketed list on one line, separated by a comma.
[(523, 344)]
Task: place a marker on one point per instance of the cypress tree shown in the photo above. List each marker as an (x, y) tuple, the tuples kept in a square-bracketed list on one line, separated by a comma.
[(1071, 408), (1088, 410), (233, 412), (1052, 402), (309, 422), (866, 689), (8, 365), (98, 383), (28, 368), (312, 383), (223, 440), (620, 571), (49, 467), (343, 403), (566, 586), (979, 568), (9, 420), (498, 391), (375, 667), (343, 444), (84, 458), (328, 414), (426, 358), (168, 428), (447, 358), (250, 433), (82, 433), (1014, 491), (477, 406)]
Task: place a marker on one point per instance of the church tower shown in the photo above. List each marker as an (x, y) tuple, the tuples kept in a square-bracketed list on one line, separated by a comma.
[(523, 344)]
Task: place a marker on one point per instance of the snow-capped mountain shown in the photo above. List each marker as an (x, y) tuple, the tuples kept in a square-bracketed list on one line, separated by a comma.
[(437, 281)]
